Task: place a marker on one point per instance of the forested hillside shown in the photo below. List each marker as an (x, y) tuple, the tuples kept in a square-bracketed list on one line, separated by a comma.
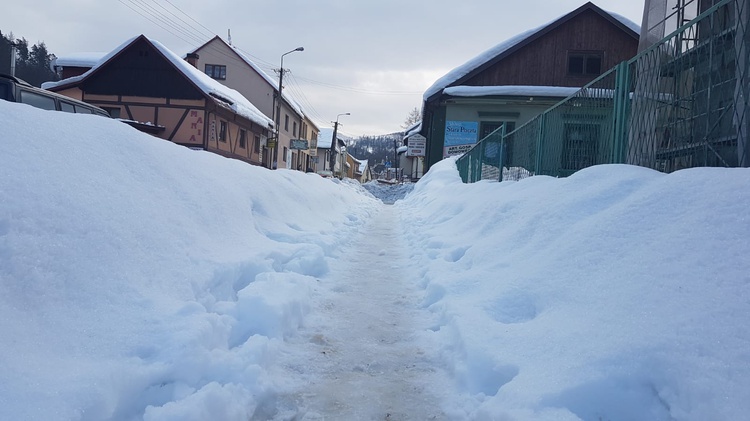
[(376, 149), (32, 62)]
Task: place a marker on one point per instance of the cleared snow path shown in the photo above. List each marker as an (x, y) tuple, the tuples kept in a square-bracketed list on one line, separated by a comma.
[(364, 356)]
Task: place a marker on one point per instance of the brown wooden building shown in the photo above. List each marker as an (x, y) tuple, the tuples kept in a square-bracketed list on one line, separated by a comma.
[(148, 86), (516, 80)]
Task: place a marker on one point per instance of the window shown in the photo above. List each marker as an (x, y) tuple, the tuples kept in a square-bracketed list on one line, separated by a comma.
[(4, 91), (216, 71), (283, 157), (67, 107), (39, 101), (580, 146), (223, 131), (242, 139), (294, 129), (581, 63), (114, 112), (286, 122), (257, 144)]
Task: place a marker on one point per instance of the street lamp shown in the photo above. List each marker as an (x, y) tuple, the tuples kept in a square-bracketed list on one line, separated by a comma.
[(334, 142), (274, 156)]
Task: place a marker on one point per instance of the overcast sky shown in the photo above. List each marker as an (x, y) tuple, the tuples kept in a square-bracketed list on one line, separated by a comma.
[(371, 58)]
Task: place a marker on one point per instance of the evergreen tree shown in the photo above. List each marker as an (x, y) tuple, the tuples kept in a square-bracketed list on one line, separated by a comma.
[(5, 41)]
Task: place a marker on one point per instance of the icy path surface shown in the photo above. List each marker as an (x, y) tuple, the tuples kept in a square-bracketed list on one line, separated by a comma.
[(365, 340)]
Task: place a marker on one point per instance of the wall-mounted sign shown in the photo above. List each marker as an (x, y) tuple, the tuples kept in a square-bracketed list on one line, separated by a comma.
[(298, 144), (460, 136), (417, 145)]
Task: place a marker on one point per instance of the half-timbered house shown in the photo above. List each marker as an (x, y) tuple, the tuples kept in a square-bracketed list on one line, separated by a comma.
[(148, 86)]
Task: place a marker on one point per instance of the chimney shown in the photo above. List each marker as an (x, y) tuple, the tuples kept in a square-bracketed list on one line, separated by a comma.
[(192, 58)]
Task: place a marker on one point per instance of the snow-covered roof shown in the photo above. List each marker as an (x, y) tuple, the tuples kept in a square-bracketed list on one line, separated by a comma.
[(402, 149), (413, 129), (89, 59), (362, 165), (459, 72), (325, 135), (324, 138), (274, 83), (225, 95), (471, 91)]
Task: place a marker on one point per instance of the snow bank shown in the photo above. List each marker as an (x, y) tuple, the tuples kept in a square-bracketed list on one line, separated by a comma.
[(618, 293), (144, 280), (140, 280)]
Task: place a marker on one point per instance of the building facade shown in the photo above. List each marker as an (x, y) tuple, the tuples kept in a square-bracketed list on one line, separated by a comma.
[(518, 79), (232, 67), (151, 88)]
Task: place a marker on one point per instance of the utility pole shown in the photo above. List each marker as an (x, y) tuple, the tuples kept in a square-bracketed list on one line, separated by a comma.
[(273, 157), (334, 143), (395, 158)]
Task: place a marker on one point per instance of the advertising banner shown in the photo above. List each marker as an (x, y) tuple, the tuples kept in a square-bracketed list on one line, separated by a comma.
[(460, 136)]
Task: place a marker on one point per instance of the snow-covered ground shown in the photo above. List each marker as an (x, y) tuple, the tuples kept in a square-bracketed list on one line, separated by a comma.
[(140, 280), (388, 193)]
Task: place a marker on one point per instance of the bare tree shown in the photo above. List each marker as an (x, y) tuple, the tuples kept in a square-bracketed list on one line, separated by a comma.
[(414, 116)]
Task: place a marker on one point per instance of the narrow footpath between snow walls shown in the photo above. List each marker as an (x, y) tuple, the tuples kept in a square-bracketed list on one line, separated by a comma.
[(367, 341)]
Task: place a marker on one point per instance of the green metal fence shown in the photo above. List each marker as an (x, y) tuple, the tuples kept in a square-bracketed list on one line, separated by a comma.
[(680, 103)]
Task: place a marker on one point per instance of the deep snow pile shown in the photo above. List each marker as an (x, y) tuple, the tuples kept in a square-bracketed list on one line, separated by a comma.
[(143, 280), (618, 293), (140, 280)]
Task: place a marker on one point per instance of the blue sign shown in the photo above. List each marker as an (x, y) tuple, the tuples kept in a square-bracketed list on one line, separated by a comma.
[(461, 133), (388, 164)]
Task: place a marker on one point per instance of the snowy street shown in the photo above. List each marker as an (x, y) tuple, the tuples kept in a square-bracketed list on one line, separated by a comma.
[(366, 359), (144, 281)]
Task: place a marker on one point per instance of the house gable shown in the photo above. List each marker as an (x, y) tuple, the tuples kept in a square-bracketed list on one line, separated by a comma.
[(544, 60), (490, 58), (140, 70)]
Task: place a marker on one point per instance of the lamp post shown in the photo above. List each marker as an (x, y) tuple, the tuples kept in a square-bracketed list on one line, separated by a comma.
[(334, 142), (273, 157)]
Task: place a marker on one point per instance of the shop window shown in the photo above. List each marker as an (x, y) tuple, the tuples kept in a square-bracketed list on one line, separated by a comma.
[(580, 146)]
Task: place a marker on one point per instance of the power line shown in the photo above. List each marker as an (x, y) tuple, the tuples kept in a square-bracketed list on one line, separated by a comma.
[(152, 15), (191, 18), (359, 90)]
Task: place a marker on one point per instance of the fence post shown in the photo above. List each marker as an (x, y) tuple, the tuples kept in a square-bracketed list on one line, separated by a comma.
[(501, 154), (620, 112), (478, 172), (540, 143)]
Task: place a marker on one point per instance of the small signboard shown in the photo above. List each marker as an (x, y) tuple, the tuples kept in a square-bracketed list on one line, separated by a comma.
[(300, 144), (417, 145), (460, 136)]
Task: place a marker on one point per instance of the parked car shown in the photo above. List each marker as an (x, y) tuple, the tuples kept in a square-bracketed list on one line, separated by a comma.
[(14, 89)]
